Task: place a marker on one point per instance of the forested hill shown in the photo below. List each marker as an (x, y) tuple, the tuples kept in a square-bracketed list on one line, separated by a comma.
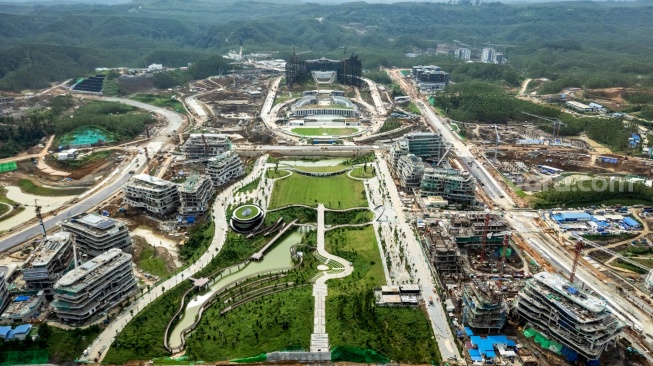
[(606, 44)]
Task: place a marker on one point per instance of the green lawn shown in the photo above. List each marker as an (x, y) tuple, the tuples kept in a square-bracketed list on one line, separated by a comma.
[(360, 172), (27, 186), (240, 212), (249, 186), (334, 192), (518, 191), (319, 131), (272, 174), (401, 334)]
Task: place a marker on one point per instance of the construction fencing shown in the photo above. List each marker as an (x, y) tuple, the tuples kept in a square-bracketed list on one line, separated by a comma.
[(32, 357), (355, 354), (551, 345), (8, 167)]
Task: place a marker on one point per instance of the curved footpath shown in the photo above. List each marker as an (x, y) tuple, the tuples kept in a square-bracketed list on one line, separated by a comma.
[(101, 345), (319, 337)]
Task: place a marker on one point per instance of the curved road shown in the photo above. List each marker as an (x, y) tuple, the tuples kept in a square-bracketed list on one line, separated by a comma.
[(102, 193)]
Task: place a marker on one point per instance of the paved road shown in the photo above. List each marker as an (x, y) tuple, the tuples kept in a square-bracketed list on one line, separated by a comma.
[(102, 193), (562, 260), (488, 183), (439, 322), (101, 345)]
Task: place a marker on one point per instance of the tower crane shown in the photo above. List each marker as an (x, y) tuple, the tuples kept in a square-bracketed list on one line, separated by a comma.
[(496, 148), (556, 122)]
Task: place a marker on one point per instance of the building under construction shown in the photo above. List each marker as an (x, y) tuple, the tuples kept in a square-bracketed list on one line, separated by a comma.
[(200, 146), (443, 251), (155, 195), (348, 71), (224, 168), (195, 195), (484, 307), (473, 229), (94, 287), (95, 234), (48, 261), (563, 313)]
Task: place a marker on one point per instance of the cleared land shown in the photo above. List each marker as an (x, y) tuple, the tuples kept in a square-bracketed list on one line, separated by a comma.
[(334, 192), (352, 317), (319, 131)]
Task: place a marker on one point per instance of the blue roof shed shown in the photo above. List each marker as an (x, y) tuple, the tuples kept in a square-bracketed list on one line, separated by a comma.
[(4, 331), (631, 222)]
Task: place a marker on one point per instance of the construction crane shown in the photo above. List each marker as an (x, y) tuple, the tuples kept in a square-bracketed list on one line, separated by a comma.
[(485, 236), (496, 148), (577, 250), (504, 247), (556, 122)]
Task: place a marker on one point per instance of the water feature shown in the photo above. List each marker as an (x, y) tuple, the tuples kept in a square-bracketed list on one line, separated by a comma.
[(325, 162), (276, 258), (48, 203)]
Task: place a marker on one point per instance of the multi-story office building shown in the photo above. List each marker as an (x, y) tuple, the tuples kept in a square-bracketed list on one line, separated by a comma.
[(566, 314), (430, 78), (426, 145), (95, 234), (410, 170), (195, 195), (48, 261), (205, 145), (225, 168), (454, 186), (94, 287), (157, 196), (484, 307)]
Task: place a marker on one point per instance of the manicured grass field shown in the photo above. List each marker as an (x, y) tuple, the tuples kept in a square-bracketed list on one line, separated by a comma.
[(359, 172), (240, 212), (352, 317), (334, 192), (270, 173), (319, 131)]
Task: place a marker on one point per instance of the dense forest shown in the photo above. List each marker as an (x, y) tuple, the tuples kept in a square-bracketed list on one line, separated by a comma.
[(571, 43)]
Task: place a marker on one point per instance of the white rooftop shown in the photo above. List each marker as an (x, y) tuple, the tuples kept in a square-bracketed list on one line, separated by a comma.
[(571, 292), (152, 180)]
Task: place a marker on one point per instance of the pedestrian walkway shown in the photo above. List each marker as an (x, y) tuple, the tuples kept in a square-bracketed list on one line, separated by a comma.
[(320, 338)]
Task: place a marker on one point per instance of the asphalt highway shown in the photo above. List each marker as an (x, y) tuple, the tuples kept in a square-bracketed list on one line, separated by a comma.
[(155, 144)]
